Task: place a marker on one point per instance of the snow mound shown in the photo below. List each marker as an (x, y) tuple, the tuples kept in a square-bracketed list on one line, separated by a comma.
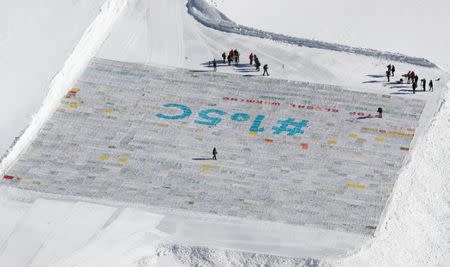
[(209, 257)]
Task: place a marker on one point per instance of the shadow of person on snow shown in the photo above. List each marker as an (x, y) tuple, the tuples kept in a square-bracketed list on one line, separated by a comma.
[(375, 75), (373, 81), (202, 159)]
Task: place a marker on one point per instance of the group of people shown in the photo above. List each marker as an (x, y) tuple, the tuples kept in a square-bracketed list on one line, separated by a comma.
[(234, 56), (255, 60), (390, 72), (411, 77)]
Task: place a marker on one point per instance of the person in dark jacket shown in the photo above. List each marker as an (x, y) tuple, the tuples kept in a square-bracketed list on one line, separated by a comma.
[(414, 87), (224, 57), (388, 75), (251, 59), (424, 84), (257, 63), (431, 85), (265, 68), (408, 76), (393, 70), (215, 65), (214, 152)]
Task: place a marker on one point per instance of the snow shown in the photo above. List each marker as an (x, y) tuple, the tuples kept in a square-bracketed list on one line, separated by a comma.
[(88, 45), (411, 27), (215, 20), (36, 38), (415, 229)]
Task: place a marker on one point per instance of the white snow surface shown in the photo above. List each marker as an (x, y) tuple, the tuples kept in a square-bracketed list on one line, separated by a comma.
[(412, 27), (36, 38), (56, 232)]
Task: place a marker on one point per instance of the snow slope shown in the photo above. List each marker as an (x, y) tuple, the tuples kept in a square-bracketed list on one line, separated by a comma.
[(211, 18), (85, 49), (36, 38), (423, 187), (412, 27)]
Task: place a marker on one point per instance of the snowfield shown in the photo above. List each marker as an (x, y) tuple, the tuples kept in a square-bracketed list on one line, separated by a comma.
[(45, 50), (410, 27), (36, 38)]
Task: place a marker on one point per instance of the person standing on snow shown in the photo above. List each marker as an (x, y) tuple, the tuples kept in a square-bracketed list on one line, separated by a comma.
[(414, 86), (231, 55), (214, 152), (236, 56), (265, 68), (431, 85), (224, 57), (215, 65), (424, 84), (393, 70), (388, 75), (229, 60), (408, 76), (251, 59), (413, 76), (257, 63)]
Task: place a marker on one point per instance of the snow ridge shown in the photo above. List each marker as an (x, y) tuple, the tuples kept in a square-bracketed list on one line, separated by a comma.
[(212, 18)]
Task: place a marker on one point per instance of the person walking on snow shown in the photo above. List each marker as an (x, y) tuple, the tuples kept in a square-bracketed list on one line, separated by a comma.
[(215, 65), (414, 86), (251, 59), (224, 57), (214, 152), (265, 68), (389, 67), (388, 75), (431, 85), (393, 70)]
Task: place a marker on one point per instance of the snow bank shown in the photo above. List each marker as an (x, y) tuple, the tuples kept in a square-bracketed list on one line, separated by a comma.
[(90, 42), (210, 17), (208, 257)]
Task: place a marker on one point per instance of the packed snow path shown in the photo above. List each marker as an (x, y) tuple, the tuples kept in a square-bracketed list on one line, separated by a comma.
[(291, 152)]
